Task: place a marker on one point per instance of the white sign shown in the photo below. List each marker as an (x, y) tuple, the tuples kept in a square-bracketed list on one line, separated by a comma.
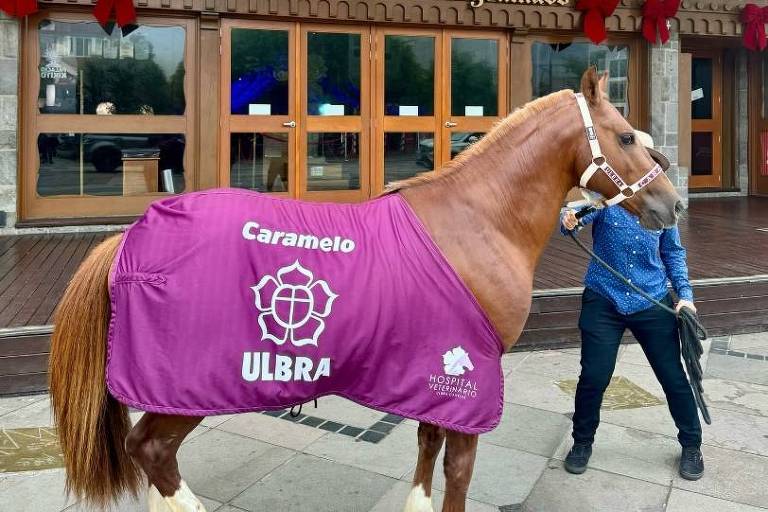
[(316, 171), (697, 94), (473, 110), (259, 109), (330, 109), (408, 110)]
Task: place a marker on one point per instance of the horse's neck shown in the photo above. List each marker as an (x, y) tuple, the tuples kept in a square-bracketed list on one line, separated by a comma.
[(493, 218)]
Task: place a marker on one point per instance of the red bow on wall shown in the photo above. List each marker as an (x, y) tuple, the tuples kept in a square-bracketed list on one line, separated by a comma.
[(594, 17), (655, 14), (18, 8), (125, 13), (754, 19)]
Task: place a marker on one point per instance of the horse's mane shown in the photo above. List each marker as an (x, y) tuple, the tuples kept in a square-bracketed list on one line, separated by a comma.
[(500, 130)]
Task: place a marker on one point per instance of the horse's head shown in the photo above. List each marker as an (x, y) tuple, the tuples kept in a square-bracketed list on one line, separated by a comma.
[(617, 163)]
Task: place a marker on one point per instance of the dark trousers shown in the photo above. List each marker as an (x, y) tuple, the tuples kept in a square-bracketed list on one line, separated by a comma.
[(602, 327)]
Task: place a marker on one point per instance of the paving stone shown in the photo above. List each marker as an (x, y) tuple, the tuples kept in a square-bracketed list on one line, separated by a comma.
[(734, 396), (10, 404), (553, 363), (685, 501), (227, 508), (311, 483), (273, 430), (530, 430), (754, 343), (594, 491), (633, 354), (736, 368), (536, 390), (512, 361), (502, 476), (138, 504), (732, 476), (649, 419), (737, 431), (344, 411), (394, 500), (34, 491), (36, 414), (393, 456), (215, 421), (629, 452), (220, 465)]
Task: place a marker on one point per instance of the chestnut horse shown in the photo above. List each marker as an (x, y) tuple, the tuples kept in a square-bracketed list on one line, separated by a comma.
[(491, 211)]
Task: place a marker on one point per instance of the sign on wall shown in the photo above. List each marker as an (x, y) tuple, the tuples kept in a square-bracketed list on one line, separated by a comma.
[(480, 3)]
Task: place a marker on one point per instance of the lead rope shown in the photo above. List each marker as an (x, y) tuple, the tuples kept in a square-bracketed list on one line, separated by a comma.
[(298, 411), (692, 333)]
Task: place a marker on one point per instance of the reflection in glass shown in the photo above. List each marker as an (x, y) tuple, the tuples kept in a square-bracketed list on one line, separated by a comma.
[(559, 66), (108, 164), (259, 161), (333, 74), (85, 71), (701, 79), (462, 140), (701, 153), (407, 154), (333, 161), (765, 86), (474, 77), (409, 74), (259, 72), (764, 153)]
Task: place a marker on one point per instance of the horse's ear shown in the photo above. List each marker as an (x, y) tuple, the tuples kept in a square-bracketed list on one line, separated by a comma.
[(590, 86), (603, 84)]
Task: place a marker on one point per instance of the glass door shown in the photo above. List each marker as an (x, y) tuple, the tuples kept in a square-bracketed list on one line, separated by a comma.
[(258, 135), (706, 120), (474, 88), (334, 147), (759, 122)]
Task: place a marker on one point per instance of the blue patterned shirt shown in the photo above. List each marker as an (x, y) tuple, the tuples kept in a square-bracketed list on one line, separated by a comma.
[(648, 258)]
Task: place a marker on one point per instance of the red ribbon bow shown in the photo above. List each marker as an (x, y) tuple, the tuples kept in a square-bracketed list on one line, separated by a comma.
[(594, 18), (125, 13), (18, 8), (754, 19), (655, 14)]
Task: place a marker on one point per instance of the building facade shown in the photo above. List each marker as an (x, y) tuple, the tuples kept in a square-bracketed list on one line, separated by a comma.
[(324, 100)]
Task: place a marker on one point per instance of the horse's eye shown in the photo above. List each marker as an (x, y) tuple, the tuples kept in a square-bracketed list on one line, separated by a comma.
[(627, 139)]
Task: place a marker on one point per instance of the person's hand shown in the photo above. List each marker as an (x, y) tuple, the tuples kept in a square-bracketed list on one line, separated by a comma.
[(685, 304), (569, 220)]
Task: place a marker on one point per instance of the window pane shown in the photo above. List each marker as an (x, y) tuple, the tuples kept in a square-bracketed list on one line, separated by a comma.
[(109, 164), (333, 74), (333, 161), (259, 161), (474, 77), (765, 87), (559, 66), (407, 154), (85, 71), (462, 140), (764, 154), (701, 151), (259, 72), (701, 85), (409, 75)]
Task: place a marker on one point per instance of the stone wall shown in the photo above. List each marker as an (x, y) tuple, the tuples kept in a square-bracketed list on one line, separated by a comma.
[(663, 101), (9, 70), (742, 124)]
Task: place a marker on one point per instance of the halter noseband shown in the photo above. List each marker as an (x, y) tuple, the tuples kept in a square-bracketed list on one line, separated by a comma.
[(599, 162)]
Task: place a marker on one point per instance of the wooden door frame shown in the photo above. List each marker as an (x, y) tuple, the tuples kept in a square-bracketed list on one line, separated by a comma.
[(257, 124), (382, 123), (713, 125), (31, 123), (758, 184)]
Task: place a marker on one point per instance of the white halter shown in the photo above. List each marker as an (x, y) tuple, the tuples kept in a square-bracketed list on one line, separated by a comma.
[(599, 162)]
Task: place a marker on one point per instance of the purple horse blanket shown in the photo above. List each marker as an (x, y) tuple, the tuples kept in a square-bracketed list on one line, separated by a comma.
[(231, 301)]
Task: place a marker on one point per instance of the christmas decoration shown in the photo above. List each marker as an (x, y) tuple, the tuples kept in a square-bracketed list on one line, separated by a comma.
[(655, 15), (595, 12), (18, 8), (754, 19)]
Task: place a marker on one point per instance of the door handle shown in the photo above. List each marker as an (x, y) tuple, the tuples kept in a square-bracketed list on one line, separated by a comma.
[(290, 124), (449, 124)]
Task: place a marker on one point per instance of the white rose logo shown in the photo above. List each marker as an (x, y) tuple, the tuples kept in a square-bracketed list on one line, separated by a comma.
[(455, 361), (293, 306)]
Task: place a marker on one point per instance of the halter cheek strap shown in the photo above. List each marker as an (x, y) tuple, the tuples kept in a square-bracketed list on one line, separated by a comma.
[(599, 162)]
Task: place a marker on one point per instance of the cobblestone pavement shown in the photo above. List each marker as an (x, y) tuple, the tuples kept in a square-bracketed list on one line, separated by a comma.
[(342, 457)]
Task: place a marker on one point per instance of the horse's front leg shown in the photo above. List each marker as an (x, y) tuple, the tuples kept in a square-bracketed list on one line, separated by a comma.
[(459, 462), (430, 441), (153, 443)]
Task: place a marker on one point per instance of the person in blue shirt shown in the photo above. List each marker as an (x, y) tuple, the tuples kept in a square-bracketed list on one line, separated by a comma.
[(649, 259)]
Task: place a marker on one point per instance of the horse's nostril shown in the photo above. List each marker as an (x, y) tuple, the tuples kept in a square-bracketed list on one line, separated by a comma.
[(679, 207)]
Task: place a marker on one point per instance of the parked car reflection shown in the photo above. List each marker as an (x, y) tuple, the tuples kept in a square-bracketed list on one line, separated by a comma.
[(459, 142)]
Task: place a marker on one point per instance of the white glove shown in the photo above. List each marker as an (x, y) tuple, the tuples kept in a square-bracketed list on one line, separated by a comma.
[(685, 304)]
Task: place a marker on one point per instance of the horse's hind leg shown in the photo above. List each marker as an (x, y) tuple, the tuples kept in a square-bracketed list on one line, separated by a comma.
[(460, 451), (430, 441), (153, 443)]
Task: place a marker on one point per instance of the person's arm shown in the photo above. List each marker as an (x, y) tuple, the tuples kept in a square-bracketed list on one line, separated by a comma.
[(673, 255), (568, 218)]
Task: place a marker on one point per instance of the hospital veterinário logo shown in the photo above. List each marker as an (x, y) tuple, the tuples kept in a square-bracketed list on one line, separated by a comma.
[(293, 306), (456, 363)]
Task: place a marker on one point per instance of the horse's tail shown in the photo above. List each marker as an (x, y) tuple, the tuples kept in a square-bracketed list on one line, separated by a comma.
[(92, 426)]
